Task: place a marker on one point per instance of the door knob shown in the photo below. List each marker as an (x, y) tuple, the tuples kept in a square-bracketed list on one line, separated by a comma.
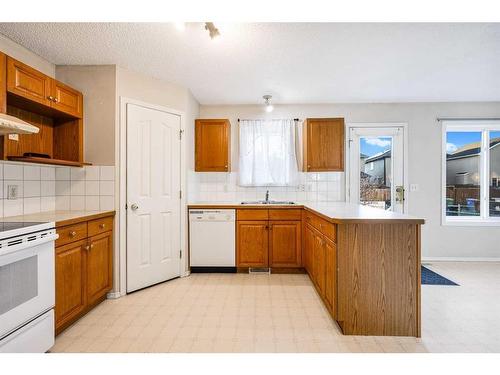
[(134, 207)]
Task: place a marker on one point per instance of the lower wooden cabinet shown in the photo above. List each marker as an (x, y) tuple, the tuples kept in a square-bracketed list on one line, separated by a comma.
[(267, 243), (285, 244), (84, 268), (330, 275), (71, 287), (252, 244)]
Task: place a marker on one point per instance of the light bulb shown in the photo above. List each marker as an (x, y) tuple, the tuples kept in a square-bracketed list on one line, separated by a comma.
[(269, 108)]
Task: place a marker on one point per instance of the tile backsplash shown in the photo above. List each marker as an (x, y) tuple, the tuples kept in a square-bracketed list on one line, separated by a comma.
[(312, 187), (48, 188)]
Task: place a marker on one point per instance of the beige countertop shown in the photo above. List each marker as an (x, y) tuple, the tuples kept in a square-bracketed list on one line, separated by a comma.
[(333, 211), (58, 217)]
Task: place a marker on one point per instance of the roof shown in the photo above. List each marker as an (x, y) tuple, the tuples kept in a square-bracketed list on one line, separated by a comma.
[(380, 155), (471, 149)]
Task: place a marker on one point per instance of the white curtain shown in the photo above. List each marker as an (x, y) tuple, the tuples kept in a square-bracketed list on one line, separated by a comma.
[(268, 153)]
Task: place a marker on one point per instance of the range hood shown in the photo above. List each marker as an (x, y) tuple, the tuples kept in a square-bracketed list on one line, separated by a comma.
[(13, 125)]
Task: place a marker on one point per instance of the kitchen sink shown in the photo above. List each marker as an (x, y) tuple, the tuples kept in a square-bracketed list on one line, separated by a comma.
[(267, 202)]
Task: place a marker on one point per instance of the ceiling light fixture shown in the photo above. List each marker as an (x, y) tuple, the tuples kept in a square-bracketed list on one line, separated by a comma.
[(212, 30), (180, 26), (268, 106)]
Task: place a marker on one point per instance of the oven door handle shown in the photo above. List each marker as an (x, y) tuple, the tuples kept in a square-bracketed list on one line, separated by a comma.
[(27, 244)]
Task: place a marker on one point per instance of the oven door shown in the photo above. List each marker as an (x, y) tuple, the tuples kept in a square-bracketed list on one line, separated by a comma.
[(27, 282)]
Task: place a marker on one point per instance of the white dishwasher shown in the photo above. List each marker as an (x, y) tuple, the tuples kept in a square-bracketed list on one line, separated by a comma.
[(212, 240)]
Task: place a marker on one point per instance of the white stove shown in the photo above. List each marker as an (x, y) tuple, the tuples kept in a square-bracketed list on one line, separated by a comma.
[(27, 286)]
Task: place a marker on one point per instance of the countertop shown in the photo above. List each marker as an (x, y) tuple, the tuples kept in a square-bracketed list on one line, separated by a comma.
[(60, 218), (336, 212)]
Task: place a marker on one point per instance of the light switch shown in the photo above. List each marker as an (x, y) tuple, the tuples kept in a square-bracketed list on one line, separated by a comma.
[(413, 187), (12, 191)]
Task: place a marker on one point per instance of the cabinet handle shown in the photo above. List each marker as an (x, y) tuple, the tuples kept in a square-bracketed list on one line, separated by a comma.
[(225, 166), (50, 97), (87, 247), (72, 234), (56, 100), (91, 245), (102, 226)]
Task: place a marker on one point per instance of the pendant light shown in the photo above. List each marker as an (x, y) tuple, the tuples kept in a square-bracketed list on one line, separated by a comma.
[(268, 106)]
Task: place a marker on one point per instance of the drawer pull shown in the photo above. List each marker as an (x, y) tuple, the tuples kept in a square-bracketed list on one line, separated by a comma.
[(87, 247), (91, 245), (72, 234), (102, 226)]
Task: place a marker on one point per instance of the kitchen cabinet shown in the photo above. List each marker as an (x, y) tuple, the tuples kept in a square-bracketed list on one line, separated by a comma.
[(212, 145), (55, 108), (84, 268), (252, 243), (285, 244), (323, 145), (330, 275), (269, 238)]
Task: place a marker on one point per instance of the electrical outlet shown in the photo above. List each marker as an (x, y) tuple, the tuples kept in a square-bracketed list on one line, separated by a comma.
[(12, 191), (302, 187), (413, 187)]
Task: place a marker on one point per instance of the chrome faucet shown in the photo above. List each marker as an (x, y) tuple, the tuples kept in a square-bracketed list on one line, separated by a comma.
[(267, 196)]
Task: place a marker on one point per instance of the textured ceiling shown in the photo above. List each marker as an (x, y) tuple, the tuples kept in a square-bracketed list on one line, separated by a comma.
[(295, 62)]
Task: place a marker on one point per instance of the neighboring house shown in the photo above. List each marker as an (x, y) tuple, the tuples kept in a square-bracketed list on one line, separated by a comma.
[(378, 168), (462, 166)]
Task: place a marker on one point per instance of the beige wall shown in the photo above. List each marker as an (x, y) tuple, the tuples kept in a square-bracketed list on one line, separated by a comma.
[(424, 161), (24, 55), (98, 85)]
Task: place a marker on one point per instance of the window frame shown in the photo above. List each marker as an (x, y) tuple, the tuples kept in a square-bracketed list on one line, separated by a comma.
[(483, 126)]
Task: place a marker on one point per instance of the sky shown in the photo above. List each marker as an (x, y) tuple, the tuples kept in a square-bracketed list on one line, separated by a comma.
[(374, 145), (455, 140)]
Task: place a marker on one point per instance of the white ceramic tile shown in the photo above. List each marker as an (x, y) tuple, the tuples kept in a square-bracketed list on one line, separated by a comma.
[(78, 187), (91, 187), (12, 207), (47, 173), (107, 173), (62, 174), (106, 203), (107, 188), (20, 185), (47, 203), (91, 203), (77, 203), (31, 189), (77, 174), (31, 173), (92, 173), (62, 202), (63, 188), (1, 207), (47, 188), (13, 172), (1, 171), (31, 205)]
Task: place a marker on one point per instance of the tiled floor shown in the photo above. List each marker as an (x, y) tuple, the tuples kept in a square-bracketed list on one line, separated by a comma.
[(282, 313)]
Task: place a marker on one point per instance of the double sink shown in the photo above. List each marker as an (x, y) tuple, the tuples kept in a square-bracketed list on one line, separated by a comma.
[(268, 202)]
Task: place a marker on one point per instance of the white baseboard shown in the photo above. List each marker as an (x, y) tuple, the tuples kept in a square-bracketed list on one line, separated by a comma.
[(113, 295), (459, 259)]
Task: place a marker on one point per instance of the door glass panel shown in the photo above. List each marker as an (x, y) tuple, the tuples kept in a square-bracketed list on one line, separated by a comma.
[(18, 283), (463, 173), (494, 174), (375, 183)]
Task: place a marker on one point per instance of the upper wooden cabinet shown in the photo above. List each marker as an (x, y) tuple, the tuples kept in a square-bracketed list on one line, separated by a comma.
[(323, 145), (3, 83), (212, 145), (28, 83)]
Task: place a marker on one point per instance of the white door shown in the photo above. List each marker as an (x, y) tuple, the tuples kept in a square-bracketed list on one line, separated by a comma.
[(153, 185), (376, 160)]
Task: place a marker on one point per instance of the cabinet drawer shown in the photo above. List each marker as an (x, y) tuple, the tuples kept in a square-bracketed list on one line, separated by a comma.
[(98, 226), (71, 233), (285, 214), (326, 228), (252, 214)]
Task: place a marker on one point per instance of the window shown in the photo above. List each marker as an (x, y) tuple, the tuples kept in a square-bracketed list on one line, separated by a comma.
[(268, 153), (471, 172)]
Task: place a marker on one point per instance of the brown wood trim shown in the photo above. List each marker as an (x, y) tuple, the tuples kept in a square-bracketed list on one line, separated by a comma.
[(83, 218), (418, 282)]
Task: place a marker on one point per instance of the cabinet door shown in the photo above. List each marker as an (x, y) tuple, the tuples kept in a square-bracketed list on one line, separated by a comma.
[(319, 263), (3, 83), (308, 249), (285, 244), (27, 82), (70, 265), (330, 275), (99, 266), (252, 244), (66, 99), (212, 145), (324, 145)]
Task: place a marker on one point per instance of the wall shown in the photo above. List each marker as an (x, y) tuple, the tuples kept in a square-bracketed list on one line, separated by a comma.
[(24, 55), (49, 188), (424, 162), (98, 85)]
